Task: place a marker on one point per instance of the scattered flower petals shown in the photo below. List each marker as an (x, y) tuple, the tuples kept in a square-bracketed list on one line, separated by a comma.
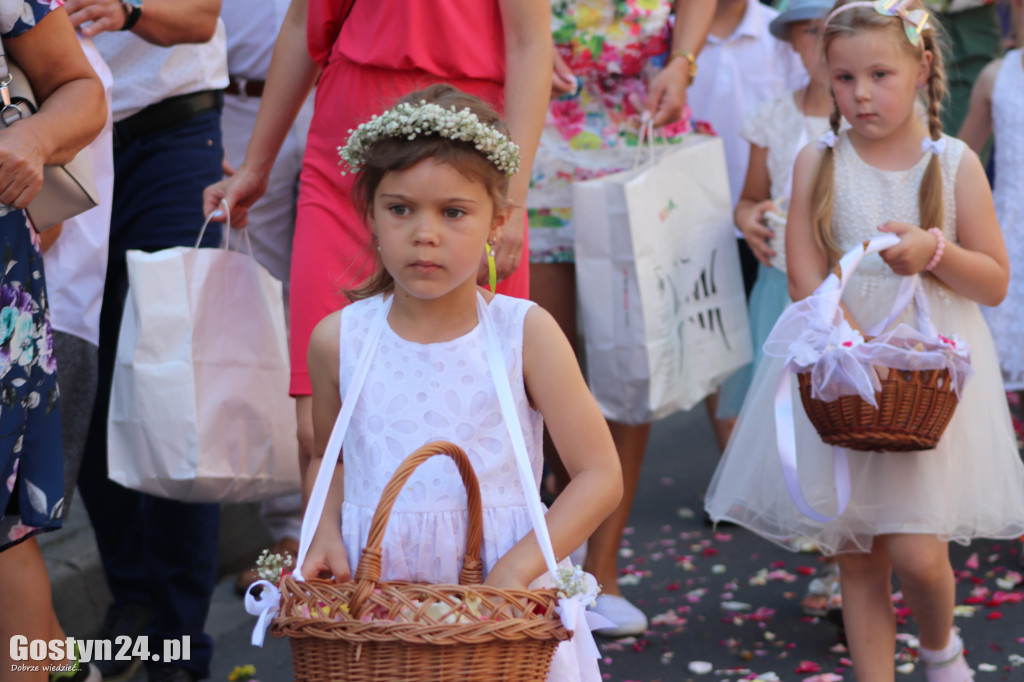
[(808, 667), (972, 562), (700, 667)]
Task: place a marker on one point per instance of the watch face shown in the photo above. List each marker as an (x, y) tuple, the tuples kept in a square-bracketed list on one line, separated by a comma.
[(135, 3)]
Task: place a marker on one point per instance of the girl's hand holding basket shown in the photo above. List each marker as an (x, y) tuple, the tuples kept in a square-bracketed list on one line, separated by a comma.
[(915, 250)]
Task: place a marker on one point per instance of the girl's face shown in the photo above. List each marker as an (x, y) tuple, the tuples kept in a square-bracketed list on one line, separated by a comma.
[(875, 81), (805, 37), (432, 223)]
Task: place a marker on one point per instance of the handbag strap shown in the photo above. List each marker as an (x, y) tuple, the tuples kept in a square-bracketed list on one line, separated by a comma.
[(785, 429), (225, 241), (317, 499), (531, 491), (5, 71)]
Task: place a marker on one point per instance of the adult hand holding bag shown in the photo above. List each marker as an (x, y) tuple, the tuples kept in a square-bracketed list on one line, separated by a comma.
[(661, 295), (67, 190), (199, 407)]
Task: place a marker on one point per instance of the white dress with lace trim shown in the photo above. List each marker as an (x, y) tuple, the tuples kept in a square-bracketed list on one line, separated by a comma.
[(971, 485), (418, 393)]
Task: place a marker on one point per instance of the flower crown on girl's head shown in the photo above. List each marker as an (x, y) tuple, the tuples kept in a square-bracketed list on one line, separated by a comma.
[(413, 120)]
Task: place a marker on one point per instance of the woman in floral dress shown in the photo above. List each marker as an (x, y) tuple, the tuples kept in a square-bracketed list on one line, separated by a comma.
[(628, 61), (39, 37)]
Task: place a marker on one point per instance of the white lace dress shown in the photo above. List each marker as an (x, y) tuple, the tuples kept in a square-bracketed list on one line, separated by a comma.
[(971, 485), (780, 127), (1007, 321), (418, 393)]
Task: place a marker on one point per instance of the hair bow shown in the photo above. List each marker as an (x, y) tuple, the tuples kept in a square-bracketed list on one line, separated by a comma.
[(934, 146), (914, 21), (828, 139)]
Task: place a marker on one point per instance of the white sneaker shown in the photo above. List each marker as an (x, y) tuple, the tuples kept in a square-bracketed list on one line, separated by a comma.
[(628, 619)]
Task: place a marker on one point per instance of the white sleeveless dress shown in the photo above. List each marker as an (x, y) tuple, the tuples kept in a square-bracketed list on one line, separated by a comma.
[(1006, 321), (971, 485), (418, 393)]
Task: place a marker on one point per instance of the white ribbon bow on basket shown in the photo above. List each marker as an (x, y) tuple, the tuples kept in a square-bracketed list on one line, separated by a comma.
[(814, 336)]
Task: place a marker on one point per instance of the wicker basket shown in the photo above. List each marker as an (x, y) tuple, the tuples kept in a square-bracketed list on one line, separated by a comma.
[(914, 408), (415, 631)]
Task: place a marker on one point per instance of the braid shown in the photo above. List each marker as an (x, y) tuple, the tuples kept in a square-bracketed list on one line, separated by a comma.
[(823, 194), (930, 200)]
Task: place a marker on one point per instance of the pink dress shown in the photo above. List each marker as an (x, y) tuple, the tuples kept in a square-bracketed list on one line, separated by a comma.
[(386, 49)]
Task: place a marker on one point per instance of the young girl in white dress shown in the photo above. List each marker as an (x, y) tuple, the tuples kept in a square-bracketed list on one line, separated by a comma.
[(433, 205), (893, 172), (997, 106)]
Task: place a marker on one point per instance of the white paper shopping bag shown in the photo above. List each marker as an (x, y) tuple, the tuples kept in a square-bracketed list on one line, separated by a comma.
[(199, 408), (663, 309)]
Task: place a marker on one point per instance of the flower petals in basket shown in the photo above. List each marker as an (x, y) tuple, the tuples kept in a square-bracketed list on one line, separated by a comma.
[(365, 629)]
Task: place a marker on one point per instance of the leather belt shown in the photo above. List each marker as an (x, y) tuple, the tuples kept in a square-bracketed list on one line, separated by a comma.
[(168, 113), (244, 87)]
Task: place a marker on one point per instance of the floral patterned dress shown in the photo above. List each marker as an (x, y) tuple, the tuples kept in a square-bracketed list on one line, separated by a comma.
[(614, 47), (31, 459)]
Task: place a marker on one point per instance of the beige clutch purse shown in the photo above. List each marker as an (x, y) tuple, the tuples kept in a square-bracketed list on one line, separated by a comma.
[(67, 190)]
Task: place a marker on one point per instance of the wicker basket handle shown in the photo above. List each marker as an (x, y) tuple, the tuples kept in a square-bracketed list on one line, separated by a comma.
[(369, 570)]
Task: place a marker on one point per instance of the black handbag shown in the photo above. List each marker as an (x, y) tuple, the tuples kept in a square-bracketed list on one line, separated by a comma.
[(67, 190)]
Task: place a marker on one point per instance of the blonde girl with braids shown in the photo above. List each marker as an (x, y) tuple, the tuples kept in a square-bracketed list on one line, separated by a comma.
[(893, 171), (432, 180)]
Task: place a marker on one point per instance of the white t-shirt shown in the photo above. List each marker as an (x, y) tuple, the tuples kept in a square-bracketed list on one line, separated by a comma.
[(147, 74), (76, 264), (252, 28), (737, 73)]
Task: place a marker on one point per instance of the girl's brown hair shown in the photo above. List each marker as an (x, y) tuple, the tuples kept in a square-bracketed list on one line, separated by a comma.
[(850, 22), (398, 153)]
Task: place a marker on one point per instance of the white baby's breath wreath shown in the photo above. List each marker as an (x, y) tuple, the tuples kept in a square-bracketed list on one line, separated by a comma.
[(412, 120)]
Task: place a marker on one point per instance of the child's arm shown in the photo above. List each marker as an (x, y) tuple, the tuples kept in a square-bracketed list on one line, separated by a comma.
[(977, 267), (806, 263), (578, 429), (977, 126), (754, 201), (326, 555)]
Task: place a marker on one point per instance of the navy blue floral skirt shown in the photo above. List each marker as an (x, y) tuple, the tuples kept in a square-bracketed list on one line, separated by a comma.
[(31, 459)]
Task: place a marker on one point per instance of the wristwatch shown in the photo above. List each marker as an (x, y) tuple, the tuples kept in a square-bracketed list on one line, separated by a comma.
[(132, 13)]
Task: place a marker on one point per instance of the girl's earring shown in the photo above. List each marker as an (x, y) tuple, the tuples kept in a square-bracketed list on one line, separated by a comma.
[(492, 270)]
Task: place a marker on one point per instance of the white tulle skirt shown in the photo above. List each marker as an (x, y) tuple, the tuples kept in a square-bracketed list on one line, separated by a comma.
[(971, 485)]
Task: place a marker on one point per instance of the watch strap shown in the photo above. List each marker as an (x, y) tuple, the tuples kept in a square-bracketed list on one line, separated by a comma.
[(132, 14)]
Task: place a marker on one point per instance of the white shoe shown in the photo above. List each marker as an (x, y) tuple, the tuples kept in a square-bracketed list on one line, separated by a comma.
[(628, 619)]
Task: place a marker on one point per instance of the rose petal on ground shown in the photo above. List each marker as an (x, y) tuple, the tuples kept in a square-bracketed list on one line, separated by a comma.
[(972, 562)]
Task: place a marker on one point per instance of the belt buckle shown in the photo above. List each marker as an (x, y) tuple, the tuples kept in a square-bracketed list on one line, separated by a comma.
[(243, 87)]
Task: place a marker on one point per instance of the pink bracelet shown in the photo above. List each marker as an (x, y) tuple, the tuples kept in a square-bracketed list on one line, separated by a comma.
[(940, 246)]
